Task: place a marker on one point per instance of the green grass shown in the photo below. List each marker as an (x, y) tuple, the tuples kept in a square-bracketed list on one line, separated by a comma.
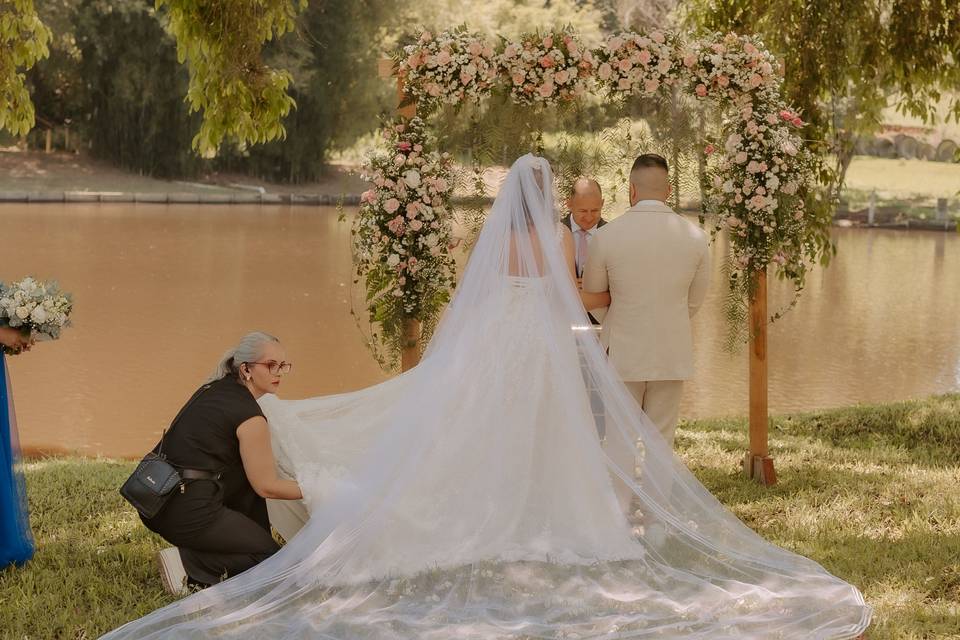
[(872, 493)]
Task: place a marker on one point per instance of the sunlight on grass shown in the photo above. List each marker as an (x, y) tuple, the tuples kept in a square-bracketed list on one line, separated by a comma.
[(871, 493)]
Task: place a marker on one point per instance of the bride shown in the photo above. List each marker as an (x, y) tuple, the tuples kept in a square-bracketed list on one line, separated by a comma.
[(471, 498)]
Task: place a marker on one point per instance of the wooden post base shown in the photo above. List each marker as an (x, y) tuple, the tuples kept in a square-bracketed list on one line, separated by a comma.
[(760, 468)]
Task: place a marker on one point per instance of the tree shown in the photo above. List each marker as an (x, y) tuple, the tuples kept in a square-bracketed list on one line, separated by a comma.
[(23, 42), (847, 61)]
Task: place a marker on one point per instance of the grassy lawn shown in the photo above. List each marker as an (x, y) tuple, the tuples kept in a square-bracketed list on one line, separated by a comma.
[(872, 493)]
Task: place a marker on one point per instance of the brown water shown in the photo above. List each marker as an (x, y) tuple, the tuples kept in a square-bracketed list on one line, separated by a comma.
[(162, 291)]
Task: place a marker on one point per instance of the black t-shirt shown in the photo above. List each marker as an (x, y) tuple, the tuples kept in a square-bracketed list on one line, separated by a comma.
[(205, 436)]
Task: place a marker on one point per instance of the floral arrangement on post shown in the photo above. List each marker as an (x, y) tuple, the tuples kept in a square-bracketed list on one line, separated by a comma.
[(401, 236), (450, 68), (547, 68), (36, 308)]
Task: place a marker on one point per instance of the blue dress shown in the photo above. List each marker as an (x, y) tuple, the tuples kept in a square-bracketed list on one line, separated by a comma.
[(16, 541)]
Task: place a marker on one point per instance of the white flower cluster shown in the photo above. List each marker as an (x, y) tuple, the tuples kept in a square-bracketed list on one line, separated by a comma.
[(633, 63), (39, 308), (403, 229), (449, 68), (547, 68)]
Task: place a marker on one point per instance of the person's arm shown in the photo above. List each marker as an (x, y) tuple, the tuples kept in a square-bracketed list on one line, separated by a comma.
[(14, 339), (259, 464), (590, 300), (700, 283), (595, 292)]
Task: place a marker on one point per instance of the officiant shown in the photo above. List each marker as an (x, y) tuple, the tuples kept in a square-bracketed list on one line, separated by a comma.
[(585, 206)]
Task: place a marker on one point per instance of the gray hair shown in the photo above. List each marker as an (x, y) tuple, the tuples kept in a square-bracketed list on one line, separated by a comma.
[(249, 349)]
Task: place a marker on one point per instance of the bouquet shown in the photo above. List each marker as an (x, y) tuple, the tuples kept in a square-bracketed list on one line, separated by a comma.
[(36, 308)]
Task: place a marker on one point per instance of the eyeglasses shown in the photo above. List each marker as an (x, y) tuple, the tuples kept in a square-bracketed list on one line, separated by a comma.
[(274, 367)]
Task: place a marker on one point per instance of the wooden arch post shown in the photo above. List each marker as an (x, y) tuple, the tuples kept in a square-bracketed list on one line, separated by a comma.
[(758, 464), (410, 341)]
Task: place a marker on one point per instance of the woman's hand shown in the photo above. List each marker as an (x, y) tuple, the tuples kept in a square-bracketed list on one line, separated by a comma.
[(15, 340)]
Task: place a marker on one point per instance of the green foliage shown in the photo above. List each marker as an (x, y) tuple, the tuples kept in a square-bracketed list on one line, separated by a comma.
[(240, 97), (844, 62), (24, 40), (869, 492)]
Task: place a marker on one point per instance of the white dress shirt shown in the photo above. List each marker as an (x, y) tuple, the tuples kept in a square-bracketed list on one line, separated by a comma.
[(576, 228)]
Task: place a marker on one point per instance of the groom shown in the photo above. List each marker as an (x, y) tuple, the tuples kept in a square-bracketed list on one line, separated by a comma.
[(656, 266)]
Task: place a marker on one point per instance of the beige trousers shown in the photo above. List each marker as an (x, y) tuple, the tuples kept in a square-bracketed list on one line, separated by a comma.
[(660, 400)]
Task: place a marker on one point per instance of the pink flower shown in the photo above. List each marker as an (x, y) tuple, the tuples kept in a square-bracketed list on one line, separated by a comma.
[(368, 197), (572, 47), (415, 60), (433, 89), (416, 225), (757, 202), (418, 148), (518, 78), (658, 37), (689, 60), (604, 72), (645, 57), (441, 184), (487, 51), (797, 122), (741, 157), (709, 148), (755, 80), (771, 119), (723, 80), (615, 43), (701, 90), (399, 159), (624, 65), (396, 226), (623, 84), (426, 36), (547, 62), (548, 42), (733, 222), (718, 48), (465, 77), (412, 210), (475, 48), (561, 76), (391, 206), (404, 145), (650, 85), (444, 57), (546, 89)]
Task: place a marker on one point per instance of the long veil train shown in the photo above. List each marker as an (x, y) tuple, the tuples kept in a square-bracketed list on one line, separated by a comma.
[(470, 497)]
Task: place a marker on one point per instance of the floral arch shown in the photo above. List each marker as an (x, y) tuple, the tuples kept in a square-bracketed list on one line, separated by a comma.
[(761, 177)]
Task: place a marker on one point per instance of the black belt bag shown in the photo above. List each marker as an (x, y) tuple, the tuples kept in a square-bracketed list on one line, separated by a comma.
[(151, 484)]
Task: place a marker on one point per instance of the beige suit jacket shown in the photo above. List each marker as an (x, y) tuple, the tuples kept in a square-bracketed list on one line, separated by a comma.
[(656, 266)]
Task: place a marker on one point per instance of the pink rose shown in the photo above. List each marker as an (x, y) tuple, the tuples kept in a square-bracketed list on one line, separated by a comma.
[(441, 184), (399, 159), (572, 47), (368, 196), (733, 222), (755, 80), (487, 51), (414, 60), (604, 72), (651, 85), (645, 57), (771, 119), (689, 60), (757, 202), (624, 65), (561, 76), (615, 43), (709, 148), (412, 210), (517, 78), (623, 84), (465, 78), (391, 206), (740, 157), (475, 48), (546, 89), (797, 122), (404, 145), (416, 225), (510, 51), (444, 57), (548, 42), (701, 90), (658, 37), (547, 62), (723, 80), (434, 89)]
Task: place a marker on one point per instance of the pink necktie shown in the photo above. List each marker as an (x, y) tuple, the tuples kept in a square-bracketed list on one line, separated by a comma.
[(581, 250)]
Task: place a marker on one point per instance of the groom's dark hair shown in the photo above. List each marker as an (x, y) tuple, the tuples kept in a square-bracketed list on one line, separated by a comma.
[(649, 161)]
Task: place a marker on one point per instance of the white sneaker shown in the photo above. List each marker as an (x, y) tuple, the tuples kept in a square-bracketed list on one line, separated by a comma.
[(172, 573)]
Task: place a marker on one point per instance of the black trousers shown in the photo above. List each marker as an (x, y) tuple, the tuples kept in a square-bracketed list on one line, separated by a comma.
[(216, 541)]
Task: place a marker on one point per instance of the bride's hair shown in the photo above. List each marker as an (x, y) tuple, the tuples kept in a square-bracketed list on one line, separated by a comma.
[(247, 350)]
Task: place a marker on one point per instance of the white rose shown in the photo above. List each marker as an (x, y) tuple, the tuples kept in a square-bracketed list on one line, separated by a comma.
[(23, 313), (412, 178), (393, 260), (431, 240), (38, 315)]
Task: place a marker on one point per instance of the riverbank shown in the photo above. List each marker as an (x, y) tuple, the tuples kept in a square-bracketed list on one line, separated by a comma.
[(905, 193), (872, 493)]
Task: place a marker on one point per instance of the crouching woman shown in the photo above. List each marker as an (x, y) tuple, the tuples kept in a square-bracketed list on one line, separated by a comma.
[(221, 444)]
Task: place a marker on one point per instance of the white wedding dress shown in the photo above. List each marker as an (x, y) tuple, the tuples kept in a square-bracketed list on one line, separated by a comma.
[(471, 497)]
